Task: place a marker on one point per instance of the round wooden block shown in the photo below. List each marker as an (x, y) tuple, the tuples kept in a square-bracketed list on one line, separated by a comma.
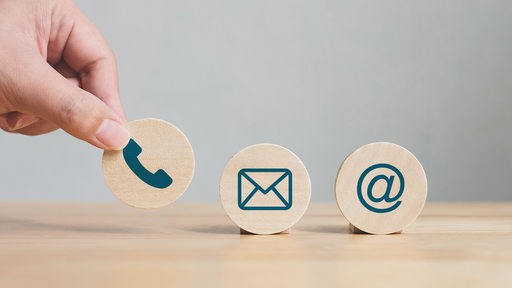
[(154, 169), (265, 189), (381, 188)]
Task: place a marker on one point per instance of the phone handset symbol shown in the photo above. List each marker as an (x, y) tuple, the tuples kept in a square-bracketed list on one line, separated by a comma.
[(159, 179)]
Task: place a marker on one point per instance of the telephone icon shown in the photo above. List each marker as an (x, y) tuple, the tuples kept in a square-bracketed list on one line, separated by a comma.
[(160, 179)]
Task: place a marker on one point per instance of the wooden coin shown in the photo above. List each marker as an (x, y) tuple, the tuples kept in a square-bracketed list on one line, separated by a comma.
[(265, 189), (381, 188), (154, 169)]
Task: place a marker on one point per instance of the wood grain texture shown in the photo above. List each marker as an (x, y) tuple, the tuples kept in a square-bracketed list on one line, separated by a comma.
[(392, 176), (163, 147), (290, 179), (196, 245)]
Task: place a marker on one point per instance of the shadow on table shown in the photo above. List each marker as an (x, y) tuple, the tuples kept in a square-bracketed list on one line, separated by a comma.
[(28, 226), (214, 229), (233, 230), (328, 229)]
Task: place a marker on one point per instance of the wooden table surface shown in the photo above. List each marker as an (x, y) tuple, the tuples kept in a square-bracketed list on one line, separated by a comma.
[(112, 245)]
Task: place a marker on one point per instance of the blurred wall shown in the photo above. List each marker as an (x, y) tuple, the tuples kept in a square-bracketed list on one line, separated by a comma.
[(319, 77)]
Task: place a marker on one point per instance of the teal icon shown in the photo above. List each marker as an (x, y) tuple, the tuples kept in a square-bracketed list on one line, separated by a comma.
[(265, 189), (386, 173), (159, 179)]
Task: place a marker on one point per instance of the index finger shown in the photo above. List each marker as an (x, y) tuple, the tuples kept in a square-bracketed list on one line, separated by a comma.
[(87, 53)]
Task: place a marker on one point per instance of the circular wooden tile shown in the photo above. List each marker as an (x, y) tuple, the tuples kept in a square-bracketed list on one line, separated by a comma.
[(265, 189), (381, 188), (154, 169)]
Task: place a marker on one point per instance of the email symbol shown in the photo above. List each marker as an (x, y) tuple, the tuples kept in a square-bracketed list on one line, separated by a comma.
[(265, 189)]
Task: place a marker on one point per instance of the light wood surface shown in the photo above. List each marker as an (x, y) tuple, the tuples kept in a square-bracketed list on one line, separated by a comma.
[(196, 245), (265, 189), (164, 148), (381, 188)]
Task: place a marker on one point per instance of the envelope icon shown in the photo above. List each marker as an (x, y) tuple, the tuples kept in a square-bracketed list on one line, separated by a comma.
[(265, 189)]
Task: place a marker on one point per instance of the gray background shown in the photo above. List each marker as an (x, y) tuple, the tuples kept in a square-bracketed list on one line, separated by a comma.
[(319, 77)]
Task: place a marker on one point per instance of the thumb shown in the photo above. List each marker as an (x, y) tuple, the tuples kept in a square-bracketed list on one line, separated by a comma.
[(47, 94)]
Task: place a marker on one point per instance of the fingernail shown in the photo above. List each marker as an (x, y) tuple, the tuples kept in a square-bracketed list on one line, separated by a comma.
[(113, 135)]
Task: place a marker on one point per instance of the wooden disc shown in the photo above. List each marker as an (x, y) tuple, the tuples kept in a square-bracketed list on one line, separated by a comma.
[(265, 189), (154, 169), (381, 188)]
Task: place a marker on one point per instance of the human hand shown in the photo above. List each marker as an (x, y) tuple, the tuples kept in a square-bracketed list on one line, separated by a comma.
[(56, 71)]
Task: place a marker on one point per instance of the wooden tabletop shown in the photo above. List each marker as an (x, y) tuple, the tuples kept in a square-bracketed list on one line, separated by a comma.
[(113, 245)]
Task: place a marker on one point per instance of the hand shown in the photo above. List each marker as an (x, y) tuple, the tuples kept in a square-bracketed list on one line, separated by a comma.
[(56, 71)]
